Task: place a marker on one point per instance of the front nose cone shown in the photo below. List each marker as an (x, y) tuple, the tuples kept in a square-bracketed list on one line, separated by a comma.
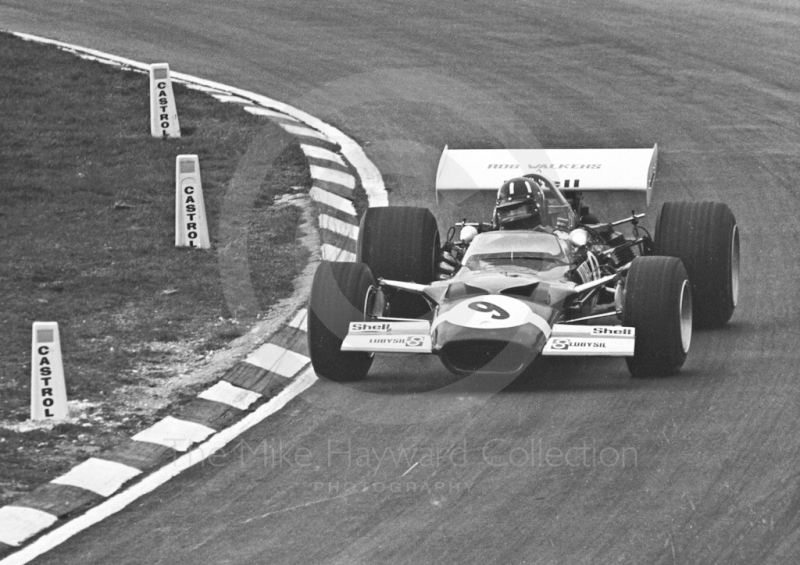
[(500, 352)]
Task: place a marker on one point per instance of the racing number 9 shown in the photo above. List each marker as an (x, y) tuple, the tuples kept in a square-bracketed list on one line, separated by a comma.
[(486, 307)]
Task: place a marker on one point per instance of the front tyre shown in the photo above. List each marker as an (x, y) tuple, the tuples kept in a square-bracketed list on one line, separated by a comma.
[(338, 295), (658, 303), (704, 235), (401, 243)]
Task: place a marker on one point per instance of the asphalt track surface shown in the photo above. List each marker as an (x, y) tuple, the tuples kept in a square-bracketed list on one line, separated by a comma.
[(697, 468)]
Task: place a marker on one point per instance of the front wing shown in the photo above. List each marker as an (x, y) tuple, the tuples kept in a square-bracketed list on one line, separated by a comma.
[(568, 340), (412, 336), (565, 340)]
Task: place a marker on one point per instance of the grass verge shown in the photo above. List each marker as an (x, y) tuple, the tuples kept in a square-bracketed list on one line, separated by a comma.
[(87, 231)]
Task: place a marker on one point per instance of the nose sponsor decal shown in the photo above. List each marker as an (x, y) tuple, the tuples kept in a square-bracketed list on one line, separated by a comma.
[(493, 312)]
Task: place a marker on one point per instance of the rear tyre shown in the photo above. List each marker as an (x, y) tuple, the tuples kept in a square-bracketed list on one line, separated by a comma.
[(704, 235), (338, 295), (658, 303), (401, 243)]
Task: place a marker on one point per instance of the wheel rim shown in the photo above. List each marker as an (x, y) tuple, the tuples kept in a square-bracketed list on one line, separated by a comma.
[(686, 316), (735, 266)]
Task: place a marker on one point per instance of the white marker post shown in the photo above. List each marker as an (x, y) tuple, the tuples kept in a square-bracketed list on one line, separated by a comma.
[(191, 228), (48, 389), (163, 110)]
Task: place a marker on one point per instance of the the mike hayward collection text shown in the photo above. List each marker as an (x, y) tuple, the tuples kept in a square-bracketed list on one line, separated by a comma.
[(496, 452)]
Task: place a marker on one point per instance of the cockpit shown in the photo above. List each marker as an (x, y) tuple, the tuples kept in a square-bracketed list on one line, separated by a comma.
[(529, 252)]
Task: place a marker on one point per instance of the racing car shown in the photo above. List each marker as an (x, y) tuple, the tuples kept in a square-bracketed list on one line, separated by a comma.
[(501, 293)]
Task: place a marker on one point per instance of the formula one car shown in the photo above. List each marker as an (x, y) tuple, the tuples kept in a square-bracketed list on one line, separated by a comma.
[(506, 291)]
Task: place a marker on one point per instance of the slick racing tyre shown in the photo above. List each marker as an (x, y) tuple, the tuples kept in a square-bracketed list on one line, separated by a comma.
[(400, 243), (338, 295), (658, 303), (704, 235)]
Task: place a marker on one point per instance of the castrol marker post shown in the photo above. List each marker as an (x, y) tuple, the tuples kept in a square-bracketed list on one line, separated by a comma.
[(48, 390), (191, 228), (163, 111)]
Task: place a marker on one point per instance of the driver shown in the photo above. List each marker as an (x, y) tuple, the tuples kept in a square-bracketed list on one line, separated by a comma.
[(521, 205)]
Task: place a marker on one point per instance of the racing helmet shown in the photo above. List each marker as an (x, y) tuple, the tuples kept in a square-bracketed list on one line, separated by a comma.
[(520, 205)]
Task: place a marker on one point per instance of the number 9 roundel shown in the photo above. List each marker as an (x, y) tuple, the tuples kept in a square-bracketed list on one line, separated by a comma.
[(491, 311)]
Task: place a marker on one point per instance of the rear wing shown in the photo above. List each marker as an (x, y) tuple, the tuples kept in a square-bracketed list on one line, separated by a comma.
[(584, 170)]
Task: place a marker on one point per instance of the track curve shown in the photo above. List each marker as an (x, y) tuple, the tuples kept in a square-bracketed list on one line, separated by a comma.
[(712, 454)]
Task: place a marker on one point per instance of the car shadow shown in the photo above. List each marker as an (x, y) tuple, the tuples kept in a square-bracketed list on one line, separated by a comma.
[(423, 374)]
